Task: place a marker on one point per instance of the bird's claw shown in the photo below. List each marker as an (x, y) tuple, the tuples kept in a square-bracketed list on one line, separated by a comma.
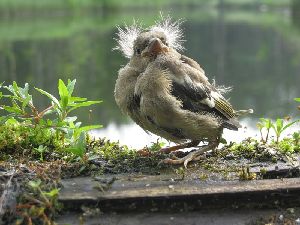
[(175, 160), (192, 156)]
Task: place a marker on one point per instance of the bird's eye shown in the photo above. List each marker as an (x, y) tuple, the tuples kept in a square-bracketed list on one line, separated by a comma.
[(138, 51), (163, 40)]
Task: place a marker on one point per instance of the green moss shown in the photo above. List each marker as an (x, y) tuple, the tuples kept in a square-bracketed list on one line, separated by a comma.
[(246, 148), (20, 141), (118, 158), (286, 145), (17, 139)]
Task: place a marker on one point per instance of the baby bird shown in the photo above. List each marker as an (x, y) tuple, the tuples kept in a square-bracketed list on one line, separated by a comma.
[(168, 94)]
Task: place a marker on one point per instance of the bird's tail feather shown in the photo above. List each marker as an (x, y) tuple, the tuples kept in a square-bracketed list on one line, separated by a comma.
[(232, 124)]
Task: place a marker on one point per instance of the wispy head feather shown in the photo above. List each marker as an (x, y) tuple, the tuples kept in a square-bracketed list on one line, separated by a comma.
[(172, 31), (128, 34), (126, 38)]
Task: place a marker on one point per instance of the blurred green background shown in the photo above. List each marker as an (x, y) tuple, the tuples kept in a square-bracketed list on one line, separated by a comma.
[(252, 45)]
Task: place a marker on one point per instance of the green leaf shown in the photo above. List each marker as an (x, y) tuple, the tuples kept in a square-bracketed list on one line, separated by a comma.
[(24, 91), (15, 88), (79, 147), (290, 124), (12, 109), (63, 93), (268, 123), (10, 89), (41, 149), (297, 99), (86, 103), (279, 124), (49, 122), (77, 99), (3, 119), (52, 98), (82, 104), (76, 150), (91, 127), (11, 121), (26, 101), (54, 192), (71, 85)]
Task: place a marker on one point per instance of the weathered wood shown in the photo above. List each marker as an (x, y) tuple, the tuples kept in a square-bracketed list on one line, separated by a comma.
[(163, 193)]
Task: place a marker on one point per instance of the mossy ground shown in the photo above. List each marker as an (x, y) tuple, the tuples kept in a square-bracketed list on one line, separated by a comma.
[(38, 149), (23, 160)]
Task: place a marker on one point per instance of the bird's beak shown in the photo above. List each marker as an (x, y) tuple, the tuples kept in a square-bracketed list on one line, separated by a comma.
[(154, 48)]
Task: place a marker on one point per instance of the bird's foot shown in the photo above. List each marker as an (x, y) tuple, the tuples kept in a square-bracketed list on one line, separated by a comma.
[(192, 156), (181, 146)]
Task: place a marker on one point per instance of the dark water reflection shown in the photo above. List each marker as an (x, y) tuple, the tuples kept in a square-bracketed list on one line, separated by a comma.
[(256, 52)]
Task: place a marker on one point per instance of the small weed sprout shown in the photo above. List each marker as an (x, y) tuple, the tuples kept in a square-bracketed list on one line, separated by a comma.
[(264, 124), (279, 127), (181, 172), (38, 206), (41, 150), (156, 146), (296, 137)]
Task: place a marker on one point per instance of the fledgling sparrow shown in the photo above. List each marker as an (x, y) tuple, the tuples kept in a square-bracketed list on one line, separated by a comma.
[(167, 93)]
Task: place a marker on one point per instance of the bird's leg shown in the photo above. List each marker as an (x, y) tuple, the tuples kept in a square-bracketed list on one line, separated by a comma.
[(192, 155), (181, 146)]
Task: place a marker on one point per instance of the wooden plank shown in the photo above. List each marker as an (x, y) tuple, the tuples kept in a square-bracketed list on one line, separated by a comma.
[(147, 191)]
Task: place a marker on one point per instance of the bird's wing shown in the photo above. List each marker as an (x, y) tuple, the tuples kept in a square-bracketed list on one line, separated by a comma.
[(199, 95)]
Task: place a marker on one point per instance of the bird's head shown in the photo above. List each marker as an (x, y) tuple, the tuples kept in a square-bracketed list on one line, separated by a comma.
[(149, 44), (144, 45)]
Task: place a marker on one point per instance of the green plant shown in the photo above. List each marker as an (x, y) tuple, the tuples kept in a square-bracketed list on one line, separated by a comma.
[(41, 150), (264, 124), (23, 112), (296, 137), (156, 146), (181, 172), (37, 206), (286, 146), (67, 102), (279, 127)]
